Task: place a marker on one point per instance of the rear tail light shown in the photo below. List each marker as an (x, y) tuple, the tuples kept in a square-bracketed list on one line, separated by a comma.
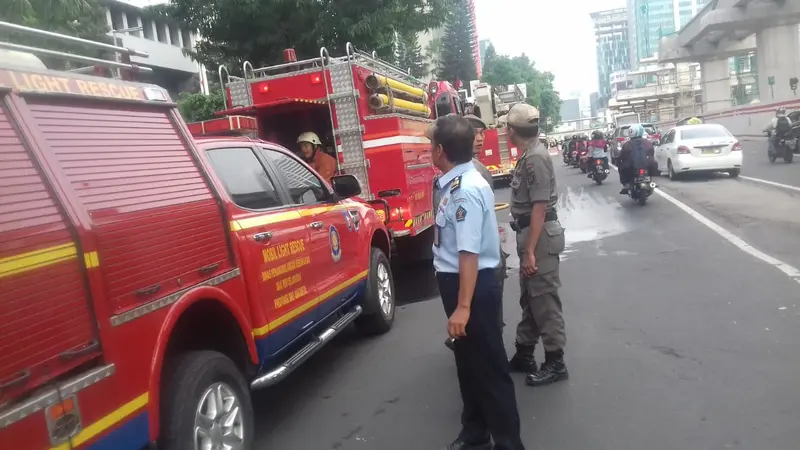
[(599, 163), (683, 150), (737, 147), (641, 171)]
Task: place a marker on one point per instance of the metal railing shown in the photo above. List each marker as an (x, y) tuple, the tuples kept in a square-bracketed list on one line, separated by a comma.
[(64, 39)]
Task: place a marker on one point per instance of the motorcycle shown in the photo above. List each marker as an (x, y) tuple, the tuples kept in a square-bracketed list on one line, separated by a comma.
[(782, 149), (566, 155), (599, 172), (642, 187), (574, 158)]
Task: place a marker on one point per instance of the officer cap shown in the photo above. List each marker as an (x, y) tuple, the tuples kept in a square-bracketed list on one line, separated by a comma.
[(475, 121), (522, 115)]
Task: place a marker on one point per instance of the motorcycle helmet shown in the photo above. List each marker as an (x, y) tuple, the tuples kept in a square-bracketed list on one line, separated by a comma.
[(636, 131), (780, 112)]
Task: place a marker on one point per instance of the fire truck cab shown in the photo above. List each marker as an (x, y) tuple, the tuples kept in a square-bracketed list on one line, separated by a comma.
[(148, 280), (369, 114), (497, 155)]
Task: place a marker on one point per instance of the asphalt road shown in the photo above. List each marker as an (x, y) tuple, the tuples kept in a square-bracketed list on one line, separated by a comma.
[(680, 336)]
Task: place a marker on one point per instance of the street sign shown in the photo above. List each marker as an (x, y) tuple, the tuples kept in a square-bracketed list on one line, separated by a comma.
[(549, 120), (771, 81)]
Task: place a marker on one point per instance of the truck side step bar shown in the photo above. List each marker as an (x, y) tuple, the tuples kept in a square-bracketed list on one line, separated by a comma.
[(282, 371)]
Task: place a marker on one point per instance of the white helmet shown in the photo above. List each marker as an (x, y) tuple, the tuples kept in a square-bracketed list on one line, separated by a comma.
[(309, 137)]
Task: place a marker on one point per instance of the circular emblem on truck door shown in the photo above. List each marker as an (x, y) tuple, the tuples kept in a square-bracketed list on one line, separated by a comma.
[(336, 244)]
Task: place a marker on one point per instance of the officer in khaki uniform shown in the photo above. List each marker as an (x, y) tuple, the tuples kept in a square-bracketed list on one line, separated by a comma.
[(540, 240)]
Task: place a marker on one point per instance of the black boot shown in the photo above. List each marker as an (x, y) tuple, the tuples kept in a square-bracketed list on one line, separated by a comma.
[(523, 361), (551, 371)]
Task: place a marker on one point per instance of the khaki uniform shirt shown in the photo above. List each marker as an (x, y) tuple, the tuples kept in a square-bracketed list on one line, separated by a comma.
[(481, 170), (533, 181)]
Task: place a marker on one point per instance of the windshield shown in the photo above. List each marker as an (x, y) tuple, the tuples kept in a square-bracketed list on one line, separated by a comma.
[(649, 129), (704, 132)]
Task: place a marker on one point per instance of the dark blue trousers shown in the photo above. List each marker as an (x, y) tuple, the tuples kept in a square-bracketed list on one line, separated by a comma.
[(487, 390)]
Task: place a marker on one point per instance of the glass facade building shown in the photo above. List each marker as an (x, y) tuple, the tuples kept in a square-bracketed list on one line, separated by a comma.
[(650, 20), (611, 41)]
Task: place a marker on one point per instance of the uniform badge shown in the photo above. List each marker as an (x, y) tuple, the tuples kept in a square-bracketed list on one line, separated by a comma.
[(456, 184), (461, 214), (336, 243)]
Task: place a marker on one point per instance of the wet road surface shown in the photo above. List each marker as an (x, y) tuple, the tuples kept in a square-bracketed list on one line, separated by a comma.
[(680, 336)]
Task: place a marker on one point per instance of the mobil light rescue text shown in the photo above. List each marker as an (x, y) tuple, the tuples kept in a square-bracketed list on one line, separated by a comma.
[(33, 82), (277, 253), (280, 251)]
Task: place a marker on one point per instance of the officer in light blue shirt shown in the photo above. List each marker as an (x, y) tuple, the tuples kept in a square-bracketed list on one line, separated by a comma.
[(466, 252)]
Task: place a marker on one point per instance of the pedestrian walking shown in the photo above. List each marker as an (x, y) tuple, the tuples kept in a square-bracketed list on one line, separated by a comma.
[(540, 241), (477, 146), (466, 252)]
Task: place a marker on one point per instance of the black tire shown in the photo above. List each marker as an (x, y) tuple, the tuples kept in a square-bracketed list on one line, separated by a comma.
[(772, 157), (787, 157), (734, 173), (187, 378), (642, 200), (376, 318), (671, 171), (598, 181)]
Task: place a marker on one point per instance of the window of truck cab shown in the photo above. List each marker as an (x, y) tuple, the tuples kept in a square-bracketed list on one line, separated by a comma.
[(303, 186), (248, 182)]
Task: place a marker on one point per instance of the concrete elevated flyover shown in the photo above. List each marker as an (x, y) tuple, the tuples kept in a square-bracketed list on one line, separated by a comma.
[(726, 28)]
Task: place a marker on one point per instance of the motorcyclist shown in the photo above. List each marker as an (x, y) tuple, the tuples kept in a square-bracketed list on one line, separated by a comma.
[(598, 149), (312, 153), (636, 154), (570, 145), (779, 127)]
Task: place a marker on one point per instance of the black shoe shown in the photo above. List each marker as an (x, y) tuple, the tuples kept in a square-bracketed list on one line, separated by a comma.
[(624, 191), (552, 370), (523, 360), (450, 343), (458, 444)]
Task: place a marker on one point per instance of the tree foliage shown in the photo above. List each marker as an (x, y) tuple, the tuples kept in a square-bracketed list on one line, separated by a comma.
[(195, 107), (409, 54), (502, 70), (259, 30), (82, 18), (457, 52)]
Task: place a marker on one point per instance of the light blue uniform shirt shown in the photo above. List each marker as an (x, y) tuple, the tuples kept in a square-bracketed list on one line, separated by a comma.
[(465, 220)]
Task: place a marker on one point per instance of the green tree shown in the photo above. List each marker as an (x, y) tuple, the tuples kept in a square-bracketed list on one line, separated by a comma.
[(258, 30), (458, 53), (195, 107), (409, 54), (81, 18), (433, 51), (502, 70)]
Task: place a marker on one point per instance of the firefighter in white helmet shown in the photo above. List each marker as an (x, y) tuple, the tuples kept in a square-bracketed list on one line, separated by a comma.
[(311, 151)]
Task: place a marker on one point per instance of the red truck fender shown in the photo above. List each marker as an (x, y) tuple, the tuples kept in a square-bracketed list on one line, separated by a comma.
[(167, 327)]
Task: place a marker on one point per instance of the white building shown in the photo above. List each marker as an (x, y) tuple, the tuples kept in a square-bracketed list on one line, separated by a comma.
[(162, 40)]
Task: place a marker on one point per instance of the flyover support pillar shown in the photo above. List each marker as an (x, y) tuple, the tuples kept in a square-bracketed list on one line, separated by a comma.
[(716, 85), (778, 56)]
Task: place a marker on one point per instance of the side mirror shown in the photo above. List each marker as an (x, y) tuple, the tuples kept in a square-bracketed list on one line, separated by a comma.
[(346, 186)]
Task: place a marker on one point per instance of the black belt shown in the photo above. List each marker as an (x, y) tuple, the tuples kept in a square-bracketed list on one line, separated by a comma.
[(524, 221)]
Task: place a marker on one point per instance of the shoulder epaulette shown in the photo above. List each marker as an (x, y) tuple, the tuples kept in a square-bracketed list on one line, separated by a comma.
[(456, 184)]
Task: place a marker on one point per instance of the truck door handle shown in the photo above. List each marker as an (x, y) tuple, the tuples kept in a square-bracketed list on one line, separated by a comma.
[(265, 236), (317, 225)]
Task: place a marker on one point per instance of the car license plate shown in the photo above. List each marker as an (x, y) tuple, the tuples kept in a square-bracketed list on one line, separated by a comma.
[(712, 151)]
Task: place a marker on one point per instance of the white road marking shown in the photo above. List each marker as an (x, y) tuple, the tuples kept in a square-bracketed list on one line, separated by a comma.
[(771, 183), (789, 270)]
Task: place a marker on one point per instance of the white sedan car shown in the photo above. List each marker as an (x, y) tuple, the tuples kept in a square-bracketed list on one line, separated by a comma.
[(699, 148)]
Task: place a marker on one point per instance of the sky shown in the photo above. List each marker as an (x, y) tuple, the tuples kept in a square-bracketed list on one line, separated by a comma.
[(557, 34)]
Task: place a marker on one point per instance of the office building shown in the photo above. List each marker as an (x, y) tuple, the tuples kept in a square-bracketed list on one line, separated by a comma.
[(612, 46), (425, 39), (594, 104), (163, 41), (483, 44), (650, 20)]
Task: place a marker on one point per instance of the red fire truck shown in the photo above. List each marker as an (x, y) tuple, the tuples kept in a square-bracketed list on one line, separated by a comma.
[(369, 113), (148, 280), (497, 155)]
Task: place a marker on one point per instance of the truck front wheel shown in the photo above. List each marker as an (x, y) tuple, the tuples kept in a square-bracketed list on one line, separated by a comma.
[(378, 299), (205, 404)]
